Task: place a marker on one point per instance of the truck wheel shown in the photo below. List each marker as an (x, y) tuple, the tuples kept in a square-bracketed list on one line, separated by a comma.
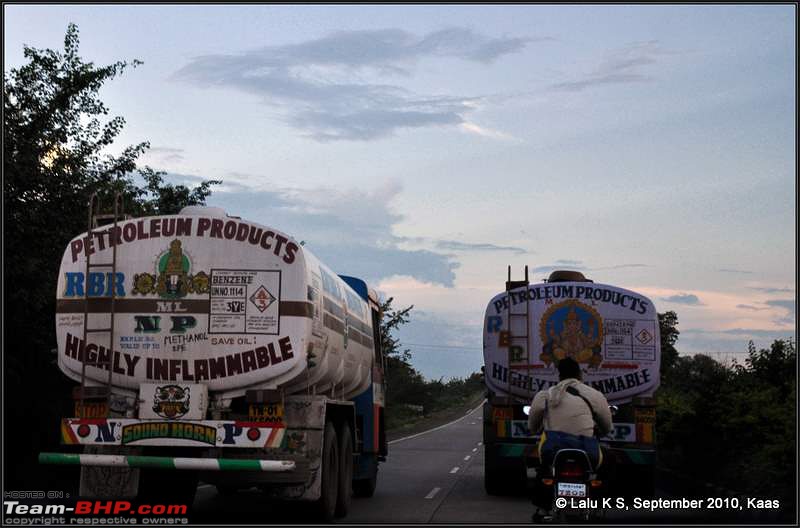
[(329, 478), (493, 482), (178, 486), (345, 471), (366, 487), (494, 479), (225, 490)]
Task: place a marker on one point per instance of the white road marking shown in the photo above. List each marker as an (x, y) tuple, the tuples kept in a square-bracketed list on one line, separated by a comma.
[(435, 428), (467, 457), (474, 449), (480, 443), (455, 470), (473, 423), (433, 493)]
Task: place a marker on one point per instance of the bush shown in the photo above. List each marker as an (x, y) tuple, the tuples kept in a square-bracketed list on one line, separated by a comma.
[(733, 425)]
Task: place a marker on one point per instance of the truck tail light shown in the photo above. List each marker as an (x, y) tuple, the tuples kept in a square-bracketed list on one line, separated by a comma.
[(645, 419)]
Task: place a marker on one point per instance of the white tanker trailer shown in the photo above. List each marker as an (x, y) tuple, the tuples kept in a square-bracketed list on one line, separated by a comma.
[(209, 347)]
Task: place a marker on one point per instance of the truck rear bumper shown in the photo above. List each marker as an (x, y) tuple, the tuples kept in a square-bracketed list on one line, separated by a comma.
[(201, 464)]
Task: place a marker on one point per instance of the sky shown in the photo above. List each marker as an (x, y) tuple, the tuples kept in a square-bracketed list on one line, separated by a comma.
[(427, 148)]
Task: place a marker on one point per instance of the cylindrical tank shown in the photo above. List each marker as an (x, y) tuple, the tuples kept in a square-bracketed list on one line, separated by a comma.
[(202, 297), (611, 332)]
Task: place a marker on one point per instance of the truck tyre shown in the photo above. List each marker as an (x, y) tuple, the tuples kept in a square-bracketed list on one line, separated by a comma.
[(329, 477), (345, 493), (226, 490), (178, 486), (366, 487), (494, 478)]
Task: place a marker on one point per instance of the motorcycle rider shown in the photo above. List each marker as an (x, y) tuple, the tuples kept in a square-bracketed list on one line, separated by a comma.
[(568, 414)]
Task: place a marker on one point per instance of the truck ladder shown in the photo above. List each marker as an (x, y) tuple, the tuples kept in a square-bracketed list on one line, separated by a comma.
[(98, 301), (518, 356)]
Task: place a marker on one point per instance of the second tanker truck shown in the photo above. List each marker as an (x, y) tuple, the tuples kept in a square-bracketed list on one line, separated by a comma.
[(207, 347), (612, 333)]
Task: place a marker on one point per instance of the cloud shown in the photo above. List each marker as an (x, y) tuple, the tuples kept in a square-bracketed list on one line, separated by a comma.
[(683, 298), (349, 230), (786, 304), (333, 88), (165, 154), (454, 245), (772, 290), (578, 265), (374, 263), (756, 332), (727, 270), (488, 132), (621, 66), (623, 266), (750, 307), (560, 264)]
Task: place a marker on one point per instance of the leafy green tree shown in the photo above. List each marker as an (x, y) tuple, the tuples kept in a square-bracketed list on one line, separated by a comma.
[(56, 141)]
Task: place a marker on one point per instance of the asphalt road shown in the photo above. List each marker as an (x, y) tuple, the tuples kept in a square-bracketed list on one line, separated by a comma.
[(433, 477), (436, 476)]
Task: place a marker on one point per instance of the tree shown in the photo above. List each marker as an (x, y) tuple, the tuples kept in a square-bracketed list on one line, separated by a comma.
[(160, 198), (668, 326), (55, 155), (391, 321), (733, 425), (775, 366), (404, 383)]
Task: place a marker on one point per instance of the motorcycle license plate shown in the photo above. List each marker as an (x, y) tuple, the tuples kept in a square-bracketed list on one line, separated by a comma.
[(571, 489)]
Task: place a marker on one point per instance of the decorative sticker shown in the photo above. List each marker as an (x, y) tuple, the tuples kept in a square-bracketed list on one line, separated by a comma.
[(571, 329)]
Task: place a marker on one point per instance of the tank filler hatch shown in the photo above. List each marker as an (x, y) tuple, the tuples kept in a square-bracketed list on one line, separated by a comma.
[(567, 276)]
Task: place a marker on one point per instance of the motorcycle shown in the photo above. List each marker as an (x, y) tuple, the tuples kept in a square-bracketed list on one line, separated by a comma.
[(576, 491)]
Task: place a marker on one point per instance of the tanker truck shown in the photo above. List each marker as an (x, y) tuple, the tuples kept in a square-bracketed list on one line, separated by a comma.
[(612, 332), (209, 348)]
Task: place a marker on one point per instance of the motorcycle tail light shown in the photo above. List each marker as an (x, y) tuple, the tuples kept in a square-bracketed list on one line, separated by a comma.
[(596, 483), (570, 470)]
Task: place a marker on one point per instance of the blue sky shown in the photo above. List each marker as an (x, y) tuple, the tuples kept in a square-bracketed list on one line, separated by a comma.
[(428, 147)]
